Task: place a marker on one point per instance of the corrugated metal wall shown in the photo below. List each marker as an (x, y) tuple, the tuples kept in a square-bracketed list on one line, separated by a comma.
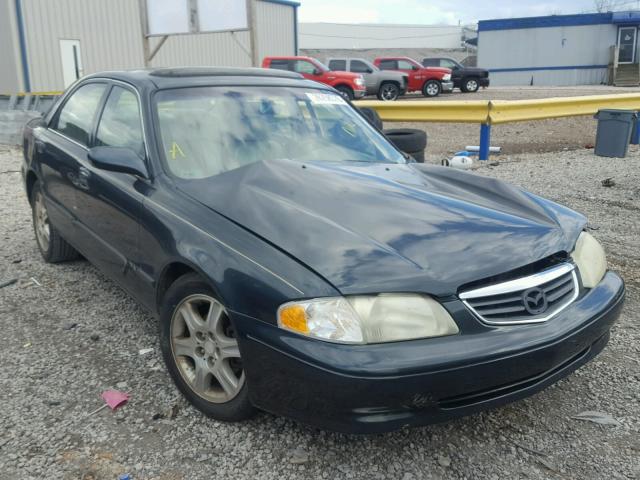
[(276, 31), (110, 38), (353, 36), (555, 47), (10, 74)]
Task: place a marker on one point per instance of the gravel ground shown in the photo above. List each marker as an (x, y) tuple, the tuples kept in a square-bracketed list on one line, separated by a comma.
[(68, 333)]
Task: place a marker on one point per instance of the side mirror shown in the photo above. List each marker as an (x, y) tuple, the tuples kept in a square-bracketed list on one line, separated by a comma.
[(369, 70), (317, 72), (118, 159), (415, 67)]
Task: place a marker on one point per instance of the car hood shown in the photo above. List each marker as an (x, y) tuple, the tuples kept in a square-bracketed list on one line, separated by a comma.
[(369, 228), (474, 71), (344, 75)]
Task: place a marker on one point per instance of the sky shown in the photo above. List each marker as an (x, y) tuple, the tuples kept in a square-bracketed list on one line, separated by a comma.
[(443, 11)]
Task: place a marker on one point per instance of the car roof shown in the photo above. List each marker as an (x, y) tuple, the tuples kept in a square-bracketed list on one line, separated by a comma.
[(160, 78)]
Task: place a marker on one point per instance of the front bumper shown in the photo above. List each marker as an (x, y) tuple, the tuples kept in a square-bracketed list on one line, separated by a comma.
[(383, 387), (359, 93), (447, 86)]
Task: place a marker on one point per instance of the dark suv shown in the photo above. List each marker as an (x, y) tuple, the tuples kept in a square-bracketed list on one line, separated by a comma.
[(467, 79)]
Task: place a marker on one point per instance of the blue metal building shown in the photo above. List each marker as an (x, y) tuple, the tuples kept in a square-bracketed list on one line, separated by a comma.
[(583, 49)]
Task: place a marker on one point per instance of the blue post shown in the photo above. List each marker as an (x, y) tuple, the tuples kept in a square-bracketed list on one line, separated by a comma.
[(485, 141), (635, 136)]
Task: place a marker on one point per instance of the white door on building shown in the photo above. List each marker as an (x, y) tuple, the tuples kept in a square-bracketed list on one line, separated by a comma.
[(71, 61), (627, 44)]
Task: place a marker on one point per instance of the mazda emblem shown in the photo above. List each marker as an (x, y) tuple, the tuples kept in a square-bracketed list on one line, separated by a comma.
[(535, 301)]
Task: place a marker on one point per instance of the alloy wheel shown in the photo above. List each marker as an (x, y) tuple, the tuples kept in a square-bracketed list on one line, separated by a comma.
[(389, 92), (205, 349), (41, 220), (433, 89), (472, 85)]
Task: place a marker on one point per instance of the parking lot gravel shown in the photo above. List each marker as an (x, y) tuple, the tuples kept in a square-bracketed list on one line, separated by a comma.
[(67, 333)]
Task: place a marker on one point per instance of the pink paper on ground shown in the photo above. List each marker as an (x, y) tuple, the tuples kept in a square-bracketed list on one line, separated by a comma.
[(114, 398)]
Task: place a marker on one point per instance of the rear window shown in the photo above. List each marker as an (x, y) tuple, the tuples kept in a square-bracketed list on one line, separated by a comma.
[(338, 65)]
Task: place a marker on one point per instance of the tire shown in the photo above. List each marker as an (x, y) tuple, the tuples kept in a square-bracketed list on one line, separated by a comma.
[(52, 246), (388, 92), (372, 117), (431, 88), (345, 91), (417, 156), (407, 139), (209, 346), (470, 85)]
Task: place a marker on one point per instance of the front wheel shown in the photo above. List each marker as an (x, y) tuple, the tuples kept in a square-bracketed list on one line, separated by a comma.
[(388, 92), (200, 348), (470, 85), (432, 88), (345, 91)]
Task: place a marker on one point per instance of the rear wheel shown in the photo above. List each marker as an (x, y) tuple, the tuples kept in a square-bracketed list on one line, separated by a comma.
[(432, 88), (388, 92), (52, 246), (345, 91), (470, 85), (200, 348)]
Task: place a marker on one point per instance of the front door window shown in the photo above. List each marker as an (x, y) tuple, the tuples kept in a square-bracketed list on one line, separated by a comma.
[(627, 44)]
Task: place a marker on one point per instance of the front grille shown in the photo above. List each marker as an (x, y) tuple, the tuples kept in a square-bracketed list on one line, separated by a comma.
[(531, 299)]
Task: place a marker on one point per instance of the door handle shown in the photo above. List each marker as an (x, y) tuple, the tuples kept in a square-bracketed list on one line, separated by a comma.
[(84, 172)]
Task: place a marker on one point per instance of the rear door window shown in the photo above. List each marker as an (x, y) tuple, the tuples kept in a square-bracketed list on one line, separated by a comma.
[(280, 64), (76, 118), (121, 123), (338, 65), (388, 65), (431, 62)]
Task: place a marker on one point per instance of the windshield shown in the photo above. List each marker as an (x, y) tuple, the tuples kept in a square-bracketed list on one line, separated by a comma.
[(206, 131)]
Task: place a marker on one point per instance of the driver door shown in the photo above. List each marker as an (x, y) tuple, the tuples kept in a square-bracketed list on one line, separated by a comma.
[(109, 206)]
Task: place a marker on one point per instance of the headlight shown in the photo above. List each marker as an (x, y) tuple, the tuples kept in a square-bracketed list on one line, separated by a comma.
[(447, 77), (368, 318), (590, 259), (359, 81)]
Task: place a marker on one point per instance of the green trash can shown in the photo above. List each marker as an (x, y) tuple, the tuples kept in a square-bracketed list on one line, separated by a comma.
[(615, 128)]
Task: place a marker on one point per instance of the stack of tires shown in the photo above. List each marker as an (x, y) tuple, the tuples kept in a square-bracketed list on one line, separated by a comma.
[(411, 141)]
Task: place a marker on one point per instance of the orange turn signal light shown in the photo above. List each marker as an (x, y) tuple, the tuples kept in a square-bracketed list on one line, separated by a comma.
[(294, 318)]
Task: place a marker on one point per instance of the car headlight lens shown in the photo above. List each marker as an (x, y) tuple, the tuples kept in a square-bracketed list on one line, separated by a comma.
[(368, 318), (447, 77), (359, 81), (590, 259)]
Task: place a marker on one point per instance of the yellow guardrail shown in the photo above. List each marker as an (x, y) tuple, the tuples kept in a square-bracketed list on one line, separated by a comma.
[(494, 112), (506, 111), (474, 111), (33, 94), (499, 111)]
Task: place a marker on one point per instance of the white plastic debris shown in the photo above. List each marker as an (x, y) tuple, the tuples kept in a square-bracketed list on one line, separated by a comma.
[(459, 162)]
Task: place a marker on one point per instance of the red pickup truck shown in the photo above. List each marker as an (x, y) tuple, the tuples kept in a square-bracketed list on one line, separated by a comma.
[(428, 80), (350, 85)]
